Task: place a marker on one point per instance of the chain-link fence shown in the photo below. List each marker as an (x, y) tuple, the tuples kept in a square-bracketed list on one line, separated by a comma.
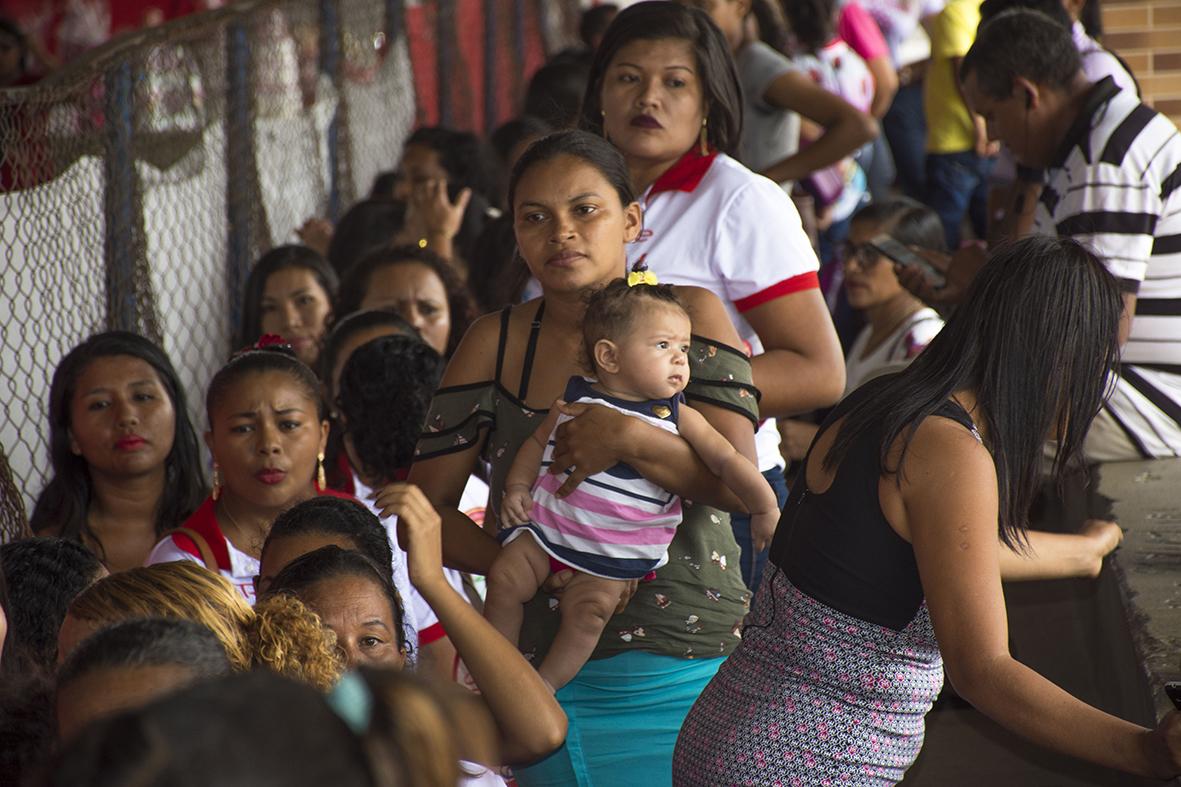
[(138, 184)]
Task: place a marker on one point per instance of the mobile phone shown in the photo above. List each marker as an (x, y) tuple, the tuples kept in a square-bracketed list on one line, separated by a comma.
[(900, 254), (1173, 691)]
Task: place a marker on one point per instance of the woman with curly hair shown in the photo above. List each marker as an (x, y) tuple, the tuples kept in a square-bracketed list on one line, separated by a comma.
[(382, 399), (281, 635)]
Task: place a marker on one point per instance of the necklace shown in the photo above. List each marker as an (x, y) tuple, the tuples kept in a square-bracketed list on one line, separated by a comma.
[(225, 507)]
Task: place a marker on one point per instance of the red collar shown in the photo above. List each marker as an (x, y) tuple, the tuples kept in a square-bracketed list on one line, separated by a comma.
[(204, 522), (685, 175)]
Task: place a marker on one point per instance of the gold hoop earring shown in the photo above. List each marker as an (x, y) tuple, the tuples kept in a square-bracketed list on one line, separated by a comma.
[(321, 481), (702, 139), (215, 493)]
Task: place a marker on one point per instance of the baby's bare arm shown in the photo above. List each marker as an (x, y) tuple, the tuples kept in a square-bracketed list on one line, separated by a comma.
[(736, 472), (517, 506)]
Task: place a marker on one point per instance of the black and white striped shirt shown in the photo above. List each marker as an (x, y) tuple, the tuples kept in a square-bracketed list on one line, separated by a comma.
[(1116, 185)]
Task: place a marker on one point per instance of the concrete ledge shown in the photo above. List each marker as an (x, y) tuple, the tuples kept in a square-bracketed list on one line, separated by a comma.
[(1147, 501)]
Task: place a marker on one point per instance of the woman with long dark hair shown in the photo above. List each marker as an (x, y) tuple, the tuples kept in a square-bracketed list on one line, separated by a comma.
[(885, 570), (289, 293), (126, 467)]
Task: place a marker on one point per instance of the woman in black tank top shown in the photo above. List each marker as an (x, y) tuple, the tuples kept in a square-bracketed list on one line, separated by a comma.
[(885, 566)]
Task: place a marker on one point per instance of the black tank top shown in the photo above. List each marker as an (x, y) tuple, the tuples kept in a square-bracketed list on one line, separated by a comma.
[(837, 546)]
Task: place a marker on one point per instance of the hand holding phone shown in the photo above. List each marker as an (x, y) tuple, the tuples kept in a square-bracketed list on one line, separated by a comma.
[(903, 255)]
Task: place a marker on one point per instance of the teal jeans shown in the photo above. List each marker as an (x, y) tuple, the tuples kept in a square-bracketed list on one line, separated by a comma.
[(625, 713)]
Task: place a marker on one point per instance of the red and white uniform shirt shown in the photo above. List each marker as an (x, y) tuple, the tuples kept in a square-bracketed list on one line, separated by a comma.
[(710, 222), (232, 563)]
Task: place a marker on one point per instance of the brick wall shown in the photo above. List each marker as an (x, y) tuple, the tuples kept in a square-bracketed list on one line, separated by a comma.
[(1147, 33)]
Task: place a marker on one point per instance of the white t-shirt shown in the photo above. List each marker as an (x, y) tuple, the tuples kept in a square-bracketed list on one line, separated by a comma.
[(899, 348), (710, 222), (473, 502)]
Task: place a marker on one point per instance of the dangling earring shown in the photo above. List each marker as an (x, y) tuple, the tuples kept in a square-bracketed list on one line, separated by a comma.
[(321, 481), (703, 139), (216, 492), (603, 115)]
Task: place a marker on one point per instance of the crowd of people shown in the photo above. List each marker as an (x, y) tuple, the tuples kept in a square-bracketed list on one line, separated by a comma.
[(682, 432)]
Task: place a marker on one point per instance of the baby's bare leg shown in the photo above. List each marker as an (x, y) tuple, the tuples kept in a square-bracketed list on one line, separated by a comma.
[(516, 574), (587, 604)]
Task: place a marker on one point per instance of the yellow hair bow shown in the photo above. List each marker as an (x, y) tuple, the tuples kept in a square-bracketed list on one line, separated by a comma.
[(641, 277)]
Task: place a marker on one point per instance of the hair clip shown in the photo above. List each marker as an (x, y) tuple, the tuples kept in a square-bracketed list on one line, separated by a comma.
[(640, 273), (353, 702), (268, 341)]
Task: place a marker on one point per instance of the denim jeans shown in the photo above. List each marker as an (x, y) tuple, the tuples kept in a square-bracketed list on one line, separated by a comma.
[(878, 164), (905, 128), (753, 562), (957, 185)]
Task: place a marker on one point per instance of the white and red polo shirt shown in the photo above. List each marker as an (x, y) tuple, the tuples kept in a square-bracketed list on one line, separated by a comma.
[(232, 563), (710, 222)]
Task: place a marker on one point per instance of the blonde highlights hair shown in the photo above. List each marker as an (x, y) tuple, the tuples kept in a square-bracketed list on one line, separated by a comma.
[(281, 635)]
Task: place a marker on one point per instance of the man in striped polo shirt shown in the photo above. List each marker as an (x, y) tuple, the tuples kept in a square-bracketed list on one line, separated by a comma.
[(1111, 173)]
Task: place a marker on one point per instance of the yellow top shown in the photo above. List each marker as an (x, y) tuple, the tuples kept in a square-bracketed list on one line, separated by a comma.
[(950, 128)]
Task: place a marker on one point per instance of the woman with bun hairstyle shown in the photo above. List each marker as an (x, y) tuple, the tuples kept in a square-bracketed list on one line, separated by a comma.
[(267, 434)]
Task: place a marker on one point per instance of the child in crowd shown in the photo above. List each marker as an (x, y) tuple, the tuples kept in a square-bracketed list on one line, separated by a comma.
[(616, 527)]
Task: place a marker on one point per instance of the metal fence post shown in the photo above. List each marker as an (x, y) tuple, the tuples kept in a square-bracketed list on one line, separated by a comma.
[(239, 156), (122, 224), (395, 20), (445, 58), (519, 47), (491, 83), (330, 64)]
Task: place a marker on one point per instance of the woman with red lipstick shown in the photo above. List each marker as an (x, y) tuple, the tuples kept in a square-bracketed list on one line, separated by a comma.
[(289, 293), (664, 90), (126, 466), (573, 211), (267, 433)]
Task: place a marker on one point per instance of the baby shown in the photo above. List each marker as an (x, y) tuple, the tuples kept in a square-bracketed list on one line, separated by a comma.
[(616, 526)]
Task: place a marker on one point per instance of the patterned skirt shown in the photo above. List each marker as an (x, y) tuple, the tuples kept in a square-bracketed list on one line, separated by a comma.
[(811, 697)]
